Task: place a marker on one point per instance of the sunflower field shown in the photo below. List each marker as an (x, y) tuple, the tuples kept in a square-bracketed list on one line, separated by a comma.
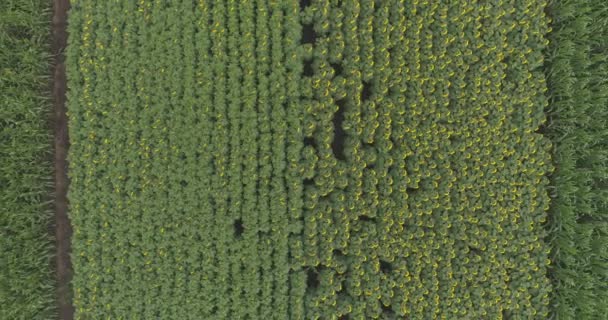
[(322, 160)]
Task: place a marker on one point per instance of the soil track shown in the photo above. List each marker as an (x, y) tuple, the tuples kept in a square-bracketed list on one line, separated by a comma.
[(63, 229)]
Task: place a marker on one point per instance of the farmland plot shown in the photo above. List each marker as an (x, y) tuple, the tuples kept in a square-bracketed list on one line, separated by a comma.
[(292, 160)]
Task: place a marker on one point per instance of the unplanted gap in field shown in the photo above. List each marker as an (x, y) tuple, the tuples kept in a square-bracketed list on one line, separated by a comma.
[(63, 229)]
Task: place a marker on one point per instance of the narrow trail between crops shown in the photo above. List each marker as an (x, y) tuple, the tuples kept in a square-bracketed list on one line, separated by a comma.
[(63, 230)]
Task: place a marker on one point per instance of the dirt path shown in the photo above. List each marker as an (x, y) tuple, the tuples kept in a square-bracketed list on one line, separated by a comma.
[(63, 230)]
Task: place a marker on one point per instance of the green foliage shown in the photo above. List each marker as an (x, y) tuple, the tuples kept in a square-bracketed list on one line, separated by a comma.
[(26, 278), (434, 204), (184, 130), (577, 69), (258, 159)]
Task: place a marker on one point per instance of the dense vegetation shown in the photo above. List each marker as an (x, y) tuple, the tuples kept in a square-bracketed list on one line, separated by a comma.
[(434, 205), (26, 281), (577, 70), (339, 159), (285, 159), (174, 197)]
